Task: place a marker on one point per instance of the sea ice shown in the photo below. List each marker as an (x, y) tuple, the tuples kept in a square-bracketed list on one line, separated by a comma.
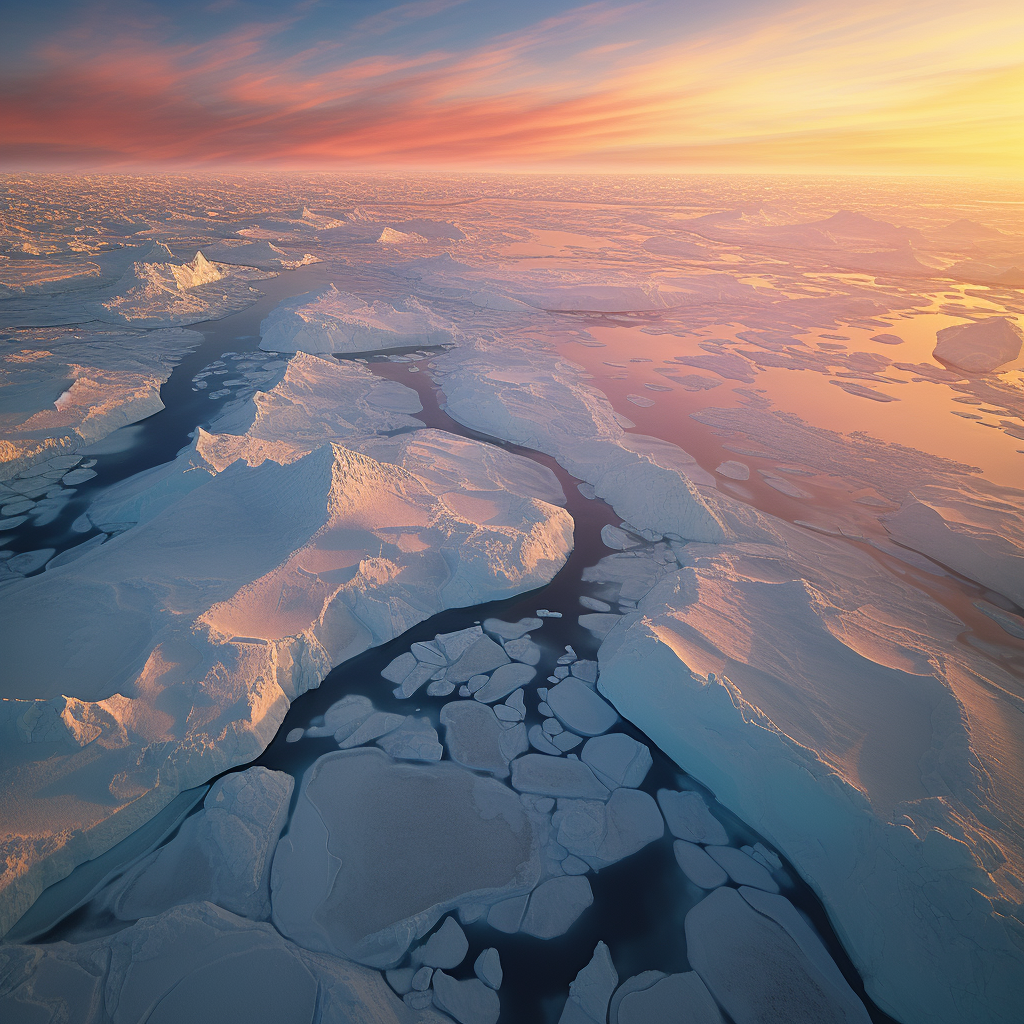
[(539, 401), (979, 346), (555, 905), (688, 817), (765, 968), (603, 833), (984, 548), (556, 776), (71, 391), (197, 963), (328, 320), (378, 851), (482, 656), (446, 948), (221, 854), (617, 759), (579, 708), (414, 740), (698, 867), (524, 650), (743, 870), (249, 253), (362, 549), (469, 1001), (675, 999), (504, 679), (487, 968), (591, 992), (822, 691), (511, 630)]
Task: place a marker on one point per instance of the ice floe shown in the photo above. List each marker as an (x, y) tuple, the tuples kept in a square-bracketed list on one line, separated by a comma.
[(668, 999), (330, 321), (199, 963), (73, 389), (487, 967), (981, 346), (556, 776), (469, 1001), (698, 866), (688, 817), (603, 833), (340, 880), (222, 854), (579, 708), (555, 906), (617, 759), (763, 963), (591, 992), (983, 546), (446, 948)]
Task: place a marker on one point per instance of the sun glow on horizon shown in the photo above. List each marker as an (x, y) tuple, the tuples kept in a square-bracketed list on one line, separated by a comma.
[(925, 88)]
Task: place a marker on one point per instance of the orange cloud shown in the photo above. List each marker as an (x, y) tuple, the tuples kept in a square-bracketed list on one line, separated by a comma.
[(921, 88)]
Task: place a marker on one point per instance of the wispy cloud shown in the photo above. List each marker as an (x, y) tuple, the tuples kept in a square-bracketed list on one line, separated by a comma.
[(921, 87)]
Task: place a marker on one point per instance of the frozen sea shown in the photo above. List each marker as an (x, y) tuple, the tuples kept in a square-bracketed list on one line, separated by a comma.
[(283, 523)]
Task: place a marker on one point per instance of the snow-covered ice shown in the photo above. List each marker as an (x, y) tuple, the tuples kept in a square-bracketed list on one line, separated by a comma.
[(671, 999), (763, 963), (979, 347), (842, 705), (591, 992), (199, 963), (329, 320), (341, 879)]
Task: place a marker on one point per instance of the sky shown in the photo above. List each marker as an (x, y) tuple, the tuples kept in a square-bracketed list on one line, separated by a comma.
[(900, 87)]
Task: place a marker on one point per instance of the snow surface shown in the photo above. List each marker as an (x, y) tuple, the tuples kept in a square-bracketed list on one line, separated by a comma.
[(261, 254), (198, 963), (985, 547), (342, 881), (329, 320)]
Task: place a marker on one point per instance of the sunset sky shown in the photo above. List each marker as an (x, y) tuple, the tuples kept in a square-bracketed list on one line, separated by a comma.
[(934, 86)]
